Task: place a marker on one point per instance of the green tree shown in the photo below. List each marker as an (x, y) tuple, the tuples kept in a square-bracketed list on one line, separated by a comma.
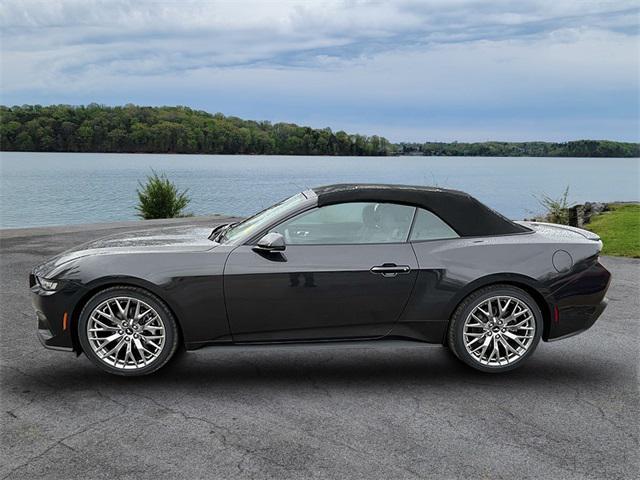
[(160, 198), (132, 128)]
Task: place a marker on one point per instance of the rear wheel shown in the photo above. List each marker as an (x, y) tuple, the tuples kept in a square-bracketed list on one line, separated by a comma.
[(495, 329), (127, 331)]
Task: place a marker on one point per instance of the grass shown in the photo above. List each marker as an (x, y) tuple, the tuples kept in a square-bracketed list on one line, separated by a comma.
[(619, 230)]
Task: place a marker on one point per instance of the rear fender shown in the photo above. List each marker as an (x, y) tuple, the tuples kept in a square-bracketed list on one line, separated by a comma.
[(537, 290)]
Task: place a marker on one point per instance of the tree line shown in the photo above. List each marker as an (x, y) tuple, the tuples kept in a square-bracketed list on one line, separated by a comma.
[(136, 129), (578, 148)]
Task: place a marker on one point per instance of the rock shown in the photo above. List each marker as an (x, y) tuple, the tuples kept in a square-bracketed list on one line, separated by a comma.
[(579, 215)]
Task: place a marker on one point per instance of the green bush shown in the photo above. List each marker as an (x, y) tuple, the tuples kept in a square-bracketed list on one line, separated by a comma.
[(160, 198), (557, 209)]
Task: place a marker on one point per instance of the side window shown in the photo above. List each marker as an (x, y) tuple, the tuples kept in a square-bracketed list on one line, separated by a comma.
[(428, 226), (349, 223)]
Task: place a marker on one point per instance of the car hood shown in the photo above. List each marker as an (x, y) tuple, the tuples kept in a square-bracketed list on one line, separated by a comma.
[(187, 238)]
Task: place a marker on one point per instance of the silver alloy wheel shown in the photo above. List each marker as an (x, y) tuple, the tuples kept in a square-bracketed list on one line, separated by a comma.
[(499, 331), (126, 333)]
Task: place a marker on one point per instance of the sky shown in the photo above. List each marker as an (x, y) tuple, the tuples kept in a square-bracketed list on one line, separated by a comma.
[(432, 70)]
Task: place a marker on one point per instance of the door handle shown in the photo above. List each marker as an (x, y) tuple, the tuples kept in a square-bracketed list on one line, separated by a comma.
[(390, 269)]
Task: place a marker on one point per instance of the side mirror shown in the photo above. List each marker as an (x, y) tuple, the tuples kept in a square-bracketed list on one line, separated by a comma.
[(271, 242)]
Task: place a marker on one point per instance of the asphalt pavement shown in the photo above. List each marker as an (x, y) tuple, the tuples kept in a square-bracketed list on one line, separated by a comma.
[(362, 413)]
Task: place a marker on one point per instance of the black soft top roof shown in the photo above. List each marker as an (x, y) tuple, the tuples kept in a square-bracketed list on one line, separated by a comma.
[(466, 215)]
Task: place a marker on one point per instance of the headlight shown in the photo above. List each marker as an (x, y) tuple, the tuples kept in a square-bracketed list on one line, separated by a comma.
[(49, 285)]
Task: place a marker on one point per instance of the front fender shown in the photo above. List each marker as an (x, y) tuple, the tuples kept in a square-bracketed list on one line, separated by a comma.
[(190, 283)]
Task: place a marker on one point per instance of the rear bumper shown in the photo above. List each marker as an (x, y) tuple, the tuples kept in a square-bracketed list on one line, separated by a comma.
[(579, 301), (587, 322)]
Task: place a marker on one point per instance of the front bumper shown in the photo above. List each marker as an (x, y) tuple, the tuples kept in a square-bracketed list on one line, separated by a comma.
[(54, 332), (47, 337)]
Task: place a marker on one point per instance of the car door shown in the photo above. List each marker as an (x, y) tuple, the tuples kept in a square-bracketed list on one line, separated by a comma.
[(347, 272)]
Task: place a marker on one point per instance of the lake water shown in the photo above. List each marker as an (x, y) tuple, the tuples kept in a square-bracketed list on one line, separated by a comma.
[(39, 189)]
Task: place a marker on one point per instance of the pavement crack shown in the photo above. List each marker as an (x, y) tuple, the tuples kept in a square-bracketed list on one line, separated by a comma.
[(60, 441), (580, 399), (111, 399), (223, 436), (28, 375)]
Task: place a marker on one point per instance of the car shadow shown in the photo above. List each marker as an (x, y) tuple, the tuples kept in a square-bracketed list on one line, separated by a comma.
[(343, 369)]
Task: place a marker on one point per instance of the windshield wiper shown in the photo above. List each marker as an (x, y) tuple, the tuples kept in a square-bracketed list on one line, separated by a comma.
[(218, 233), (214, 232)]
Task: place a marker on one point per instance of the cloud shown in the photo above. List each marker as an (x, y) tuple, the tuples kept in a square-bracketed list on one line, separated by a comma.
[(460, 66)]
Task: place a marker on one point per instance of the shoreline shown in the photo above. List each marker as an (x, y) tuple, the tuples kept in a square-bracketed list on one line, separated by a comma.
[(9, 233), (394, 155)]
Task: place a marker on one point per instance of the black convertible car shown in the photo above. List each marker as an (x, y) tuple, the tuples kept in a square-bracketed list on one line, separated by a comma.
[(339, 263)]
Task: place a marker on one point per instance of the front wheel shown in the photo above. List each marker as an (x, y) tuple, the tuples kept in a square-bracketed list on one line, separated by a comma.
[(495, 329), (127, 331)]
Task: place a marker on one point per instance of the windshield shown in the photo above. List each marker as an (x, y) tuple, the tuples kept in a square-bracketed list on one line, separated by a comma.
[(261, 220)]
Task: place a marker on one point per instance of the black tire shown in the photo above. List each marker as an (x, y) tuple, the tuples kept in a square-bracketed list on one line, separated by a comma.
[(456, 326), (170, 329)]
